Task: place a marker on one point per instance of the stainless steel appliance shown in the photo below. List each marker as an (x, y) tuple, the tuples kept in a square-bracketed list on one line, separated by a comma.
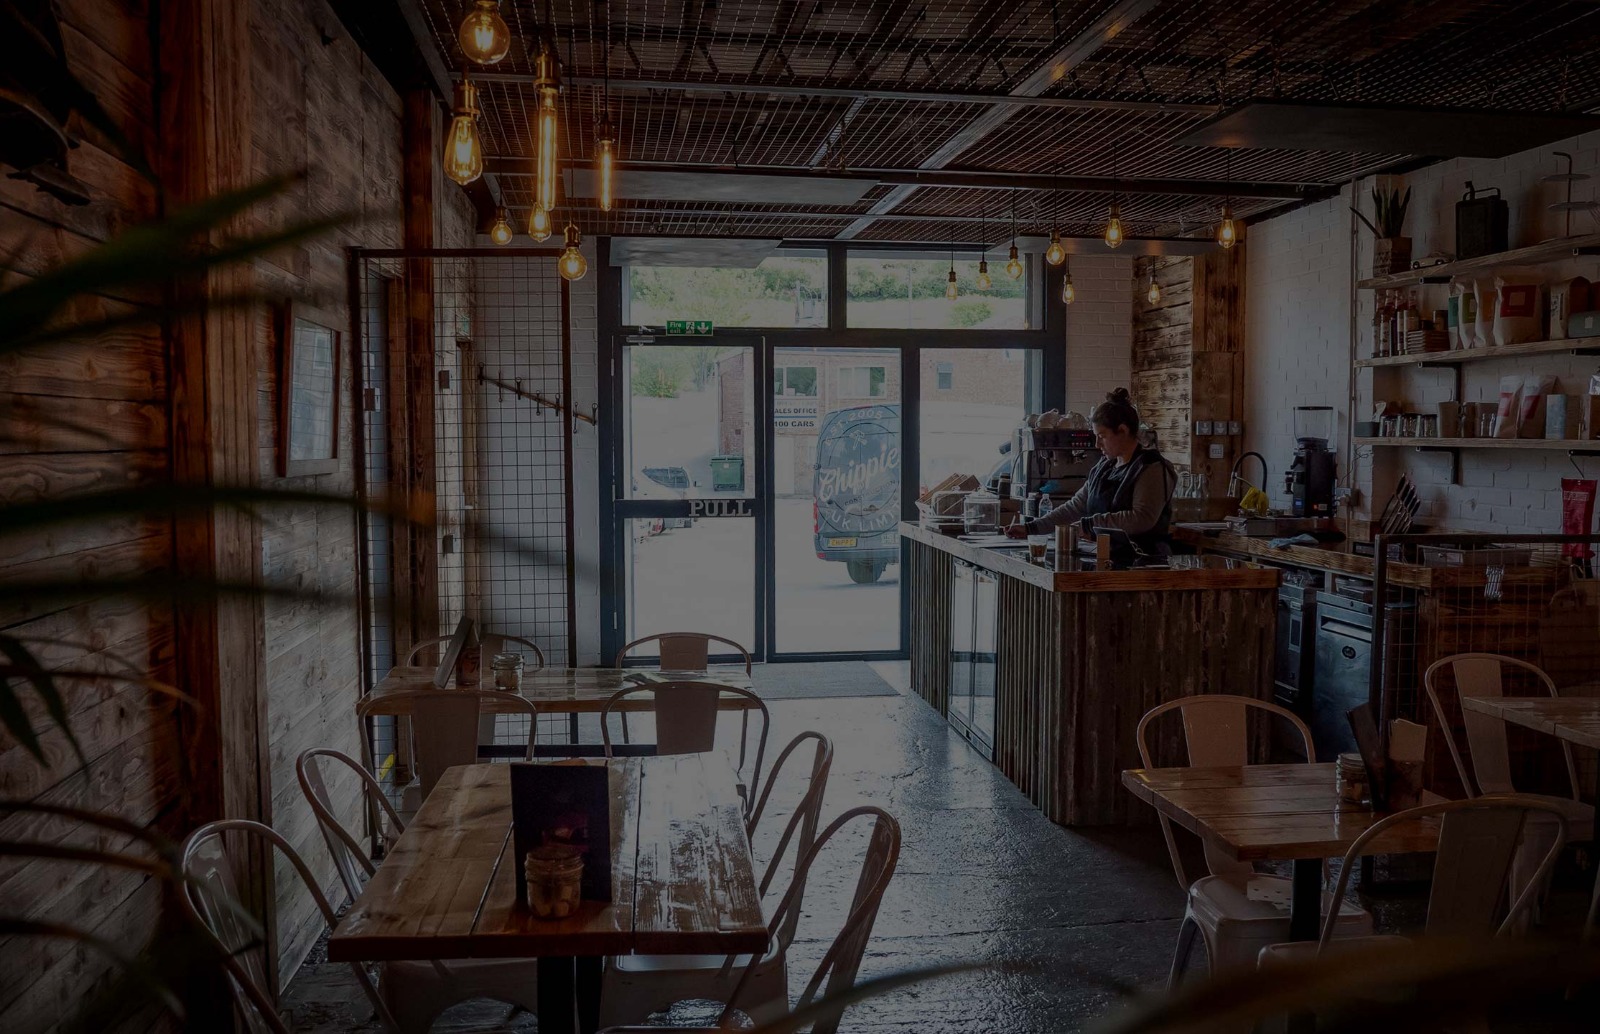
[(1292, 680), (1342, 672), (974, 642), (1055, 460)]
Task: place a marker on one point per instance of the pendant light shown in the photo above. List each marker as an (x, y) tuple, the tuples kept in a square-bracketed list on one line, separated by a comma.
[(1069, 294), (1153, 296), (605, 145), (950, 284), (1227, 232), (484, 36), (500, 232), (1055, 254), (546, 84), (1114, 217), (463, 154), (1013, 264), (985, 281), (539, 224), (572, 264)]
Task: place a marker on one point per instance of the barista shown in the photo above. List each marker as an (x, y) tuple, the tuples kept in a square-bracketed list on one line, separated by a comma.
[(1129, 490)]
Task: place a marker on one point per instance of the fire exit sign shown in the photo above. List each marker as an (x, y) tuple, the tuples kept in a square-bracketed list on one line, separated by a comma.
[(689, 328)]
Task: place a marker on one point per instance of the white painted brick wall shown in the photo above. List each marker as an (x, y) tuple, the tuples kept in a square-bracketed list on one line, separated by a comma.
[(1298, 323), (1099, 329)]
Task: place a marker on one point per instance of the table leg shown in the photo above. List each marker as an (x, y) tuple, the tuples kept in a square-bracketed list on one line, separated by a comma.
[(588, 994), (1305, 906), (557, 987)]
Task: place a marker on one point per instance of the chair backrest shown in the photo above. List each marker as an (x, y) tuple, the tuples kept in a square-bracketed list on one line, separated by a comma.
[(1216, 731), (686, 720), (210, 898), (444, 724), (801, 828), (684, 651), (349, 856), (1482, 675), (838, 968), (492, 643), (1478, 840)]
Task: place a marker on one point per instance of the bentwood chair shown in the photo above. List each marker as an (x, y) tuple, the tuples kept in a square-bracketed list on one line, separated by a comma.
[(493, 643), (211, 900), (415, 992), (1479, 840), (842, 961), (445, 724), (1233, 909), (686, 721), (635, 986)]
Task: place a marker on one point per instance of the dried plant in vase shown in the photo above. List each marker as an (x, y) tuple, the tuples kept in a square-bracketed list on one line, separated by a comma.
[(1391, 251)]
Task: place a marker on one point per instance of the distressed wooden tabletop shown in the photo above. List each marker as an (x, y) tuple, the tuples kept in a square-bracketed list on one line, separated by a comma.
[(567, 690), (682, 877), (1574, 719), (1271, 812)]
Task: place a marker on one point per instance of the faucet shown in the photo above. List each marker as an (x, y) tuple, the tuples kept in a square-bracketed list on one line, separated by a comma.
[(1235, 481)]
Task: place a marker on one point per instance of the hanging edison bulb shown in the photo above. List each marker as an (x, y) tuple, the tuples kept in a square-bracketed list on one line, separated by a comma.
[(463, 155), (1069, 294), (950, 284), (539, 224), (1056, 253), (572, 264), (1154, 294), (1227, 232), (500, 232), (985, 281), (1114, 226), (1013, 263), (484, 36), (547, 82), (605, 160)]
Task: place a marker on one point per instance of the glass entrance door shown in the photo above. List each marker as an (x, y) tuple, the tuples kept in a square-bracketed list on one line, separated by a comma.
[(687, 481), (836, 500)]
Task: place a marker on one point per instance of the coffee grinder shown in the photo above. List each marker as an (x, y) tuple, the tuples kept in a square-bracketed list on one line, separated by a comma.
[(1309, 481)]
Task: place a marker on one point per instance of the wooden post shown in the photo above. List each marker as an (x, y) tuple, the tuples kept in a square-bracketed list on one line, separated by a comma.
[(417, 587), (205, 119)]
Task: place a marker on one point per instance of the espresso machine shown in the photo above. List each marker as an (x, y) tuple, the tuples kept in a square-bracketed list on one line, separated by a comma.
[(1310, 479), (1055, 459)]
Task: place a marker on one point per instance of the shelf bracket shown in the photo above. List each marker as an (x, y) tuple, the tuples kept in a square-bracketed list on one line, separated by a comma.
[(1455, 459)]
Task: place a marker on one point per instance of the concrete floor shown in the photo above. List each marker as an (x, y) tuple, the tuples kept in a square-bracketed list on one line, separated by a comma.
[(983, 876)]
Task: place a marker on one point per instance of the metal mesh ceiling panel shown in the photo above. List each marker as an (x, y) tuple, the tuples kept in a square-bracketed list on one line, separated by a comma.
[(1108, 86)]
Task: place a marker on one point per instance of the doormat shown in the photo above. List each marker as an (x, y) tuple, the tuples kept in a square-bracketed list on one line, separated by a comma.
[(813, 680)]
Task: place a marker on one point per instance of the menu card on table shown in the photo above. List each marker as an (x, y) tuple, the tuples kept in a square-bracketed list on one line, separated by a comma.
[(563, 803)]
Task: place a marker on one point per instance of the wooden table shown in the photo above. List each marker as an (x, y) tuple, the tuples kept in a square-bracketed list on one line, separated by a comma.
[(572, 692), (682, 882), (1275, 813)]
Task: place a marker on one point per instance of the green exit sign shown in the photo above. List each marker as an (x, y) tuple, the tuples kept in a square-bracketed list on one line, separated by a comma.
[(689, 328)]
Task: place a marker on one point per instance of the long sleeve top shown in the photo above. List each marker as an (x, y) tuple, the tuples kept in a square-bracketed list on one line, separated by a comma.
[(1151, 493)]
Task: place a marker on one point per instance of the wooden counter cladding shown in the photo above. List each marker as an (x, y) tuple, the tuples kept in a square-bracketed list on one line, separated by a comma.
[(1080, 657)]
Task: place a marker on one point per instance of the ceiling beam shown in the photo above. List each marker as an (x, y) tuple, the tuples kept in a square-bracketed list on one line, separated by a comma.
[(979, 179), (857, 93), (1047, 74)]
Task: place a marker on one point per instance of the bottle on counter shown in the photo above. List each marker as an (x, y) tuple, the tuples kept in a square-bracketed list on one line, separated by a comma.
[(1030, 506), (1045, 505)]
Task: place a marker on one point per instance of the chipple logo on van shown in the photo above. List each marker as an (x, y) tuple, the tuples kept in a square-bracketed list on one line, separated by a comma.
[(859, 478)]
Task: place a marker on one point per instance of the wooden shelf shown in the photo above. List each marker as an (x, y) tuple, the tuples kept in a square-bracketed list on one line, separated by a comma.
[(1586, 445), (1576, 345), (1548, 251)]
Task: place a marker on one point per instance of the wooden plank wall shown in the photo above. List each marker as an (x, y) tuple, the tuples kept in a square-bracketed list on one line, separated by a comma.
[(115, 389), (1187, 359), (325, 108)]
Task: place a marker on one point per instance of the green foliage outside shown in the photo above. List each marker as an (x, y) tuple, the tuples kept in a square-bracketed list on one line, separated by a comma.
[(763, 296), (873, 279), (970, 313), (664, 372)]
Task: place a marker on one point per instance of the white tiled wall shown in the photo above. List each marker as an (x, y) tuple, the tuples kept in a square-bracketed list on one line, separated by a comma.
[(1099, 329), (1298, 324)]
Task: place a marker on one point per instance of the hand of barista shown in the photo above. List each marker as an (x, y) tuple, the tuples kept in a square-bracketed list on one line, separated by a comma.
[(1017, 530)]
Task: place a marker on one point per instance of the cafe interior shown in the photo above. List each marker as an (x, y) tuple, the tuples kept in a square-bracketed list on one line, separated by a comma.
[(924, 515)]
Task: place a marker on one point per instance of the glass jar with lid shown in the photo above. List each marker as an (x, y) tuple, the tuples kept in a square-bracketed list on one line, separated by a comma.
[(554, 873), (507, 670)]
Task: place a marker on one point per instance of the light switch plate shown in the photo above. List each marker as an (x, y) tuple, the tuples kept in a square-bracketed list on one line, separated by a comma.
[(1235, 427), (1202, 427), (1215, 450)]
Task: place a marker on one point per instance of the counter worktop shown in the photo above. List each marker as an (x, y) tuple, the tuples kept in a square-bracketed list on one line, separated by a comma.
[(1182, 573)]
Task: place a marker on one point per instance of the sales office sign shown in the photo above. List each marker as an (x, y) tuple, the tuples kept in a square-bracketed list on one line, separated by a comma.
[(720, 508)]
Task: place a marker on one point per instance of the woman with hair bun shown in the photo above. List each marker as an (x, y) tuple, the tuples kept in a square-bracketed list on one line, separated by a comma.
[(1129, 490)]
